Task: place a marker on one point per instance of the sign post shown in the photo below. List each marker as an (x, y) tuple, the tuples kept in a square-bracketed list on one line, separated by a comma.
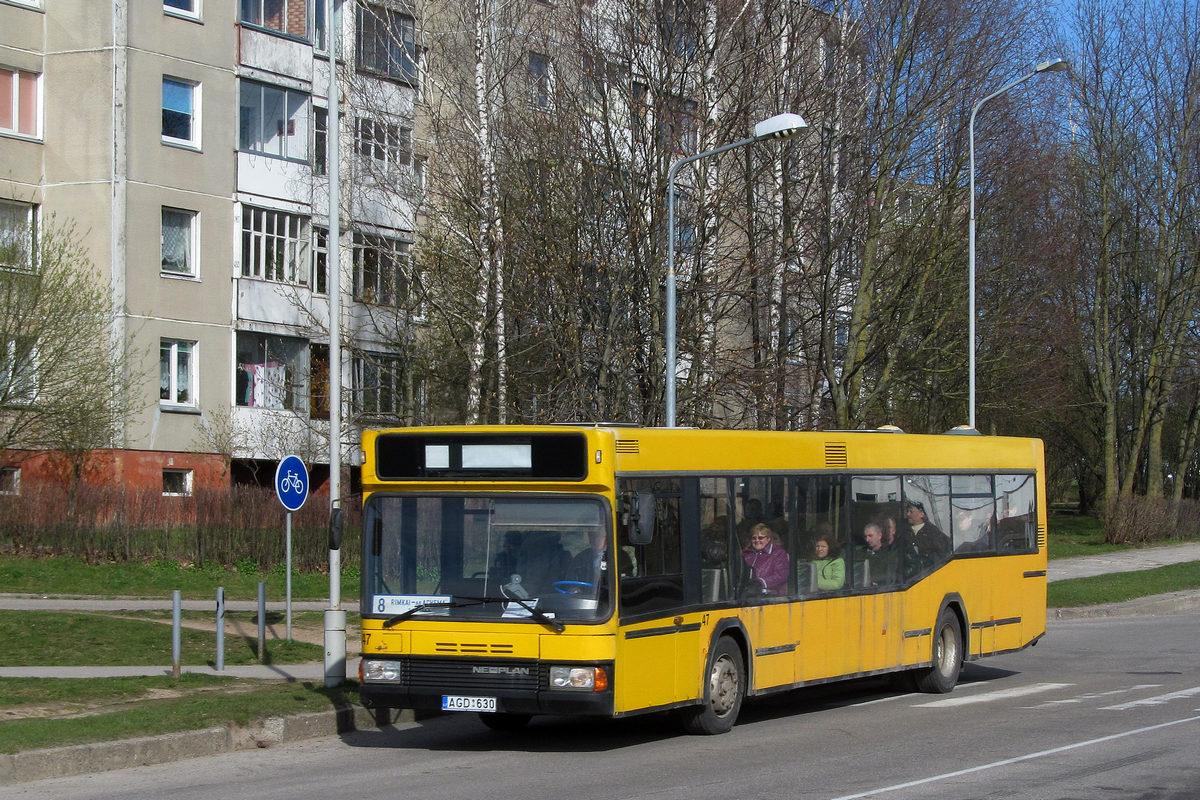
[(291, 487)]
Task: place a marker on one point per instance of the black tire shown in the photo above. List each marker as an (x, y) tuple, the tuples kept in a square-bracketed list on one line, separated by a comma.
[(724, 690), (505, 722), (942, 675)]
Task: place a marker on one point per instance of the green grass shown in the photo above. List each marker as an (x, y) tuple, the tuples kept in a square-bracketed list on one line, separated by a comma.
[(129, 707), (68, 575), (1121, 586), (57, 638), (1077, 535)]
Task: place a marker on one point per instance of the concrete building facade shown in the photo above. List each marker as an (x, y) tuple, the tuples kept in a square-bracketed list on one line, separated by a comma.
[(187, 140)]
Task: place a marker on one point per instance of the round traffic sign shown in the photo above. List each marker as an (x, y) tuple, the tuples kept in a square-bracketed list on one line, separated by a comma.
[(291, 482)]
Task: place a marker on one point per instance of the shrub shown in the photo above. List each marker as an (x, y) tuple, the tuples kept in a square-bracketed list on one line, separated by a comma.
[(1140, 520), (242, 526)]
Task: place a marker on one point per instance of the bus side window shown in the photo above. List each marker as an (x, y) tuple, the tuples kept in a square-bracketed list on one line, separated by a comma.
[(657, 583)]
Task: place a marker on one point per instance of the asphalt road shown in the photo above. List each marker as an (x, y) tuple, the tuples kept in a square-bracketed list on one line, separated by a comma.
[(1102, 708)]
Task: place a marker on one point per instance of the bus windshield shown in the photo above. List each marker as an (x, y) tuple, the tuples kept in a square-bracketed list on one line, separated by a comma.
[(486, 557)]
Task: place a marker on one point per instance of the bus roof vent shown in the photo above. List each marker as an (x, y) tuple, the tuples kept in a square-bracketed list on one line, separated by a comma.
[(628, 446), (835, 455)]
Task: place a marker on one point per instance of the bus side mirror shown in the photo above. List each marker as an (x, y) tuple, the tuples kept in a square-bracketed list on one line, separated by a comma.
[(336, 524), (641, 524)]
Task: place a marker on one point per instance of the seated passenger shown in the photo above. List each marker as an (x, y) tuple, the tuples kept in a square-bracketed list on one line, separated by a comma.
[(882, 561), (768, 561), (830, 567)]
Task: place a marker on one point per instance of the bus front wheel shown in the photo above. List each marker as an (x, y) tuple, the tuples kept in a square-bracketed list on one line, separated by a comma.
[(724, 689), (942, 675)]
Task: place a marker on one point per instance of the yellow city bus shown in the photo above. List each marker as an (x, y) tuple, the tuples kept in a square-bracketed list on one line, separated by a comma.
[(611, 571)]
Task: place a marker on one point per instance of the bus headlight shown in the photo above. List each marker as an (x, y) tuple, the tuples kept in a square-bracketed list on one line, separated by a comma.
[(377, 670), (588, 679)]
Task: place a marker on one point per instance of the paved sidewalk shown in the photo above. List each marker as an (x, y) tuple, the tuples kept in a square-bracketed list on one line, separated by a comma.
[(1123, 561)]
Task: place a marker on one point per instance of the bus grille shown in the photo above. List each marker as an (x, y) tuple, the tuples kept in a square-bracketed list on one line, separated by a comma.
[(466, 675), (628, 446)]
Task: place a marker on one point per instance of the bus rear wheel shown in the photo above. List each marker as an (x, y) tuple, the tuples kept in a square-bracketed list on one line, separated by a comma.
[(724, 690), (942, 675)]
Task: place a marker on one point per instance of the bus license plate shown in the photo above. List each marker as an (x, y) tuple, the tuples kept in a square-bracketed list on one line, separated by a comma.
[(453, 702)]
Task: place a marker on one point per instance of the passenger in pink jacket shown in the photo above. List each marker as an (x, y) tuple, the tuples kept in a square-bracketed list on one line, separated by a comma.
[(768, 561)]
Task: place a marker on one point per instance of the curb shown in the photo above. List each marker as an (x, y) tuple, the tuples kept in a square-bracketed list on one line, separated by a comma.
[(85, 759)]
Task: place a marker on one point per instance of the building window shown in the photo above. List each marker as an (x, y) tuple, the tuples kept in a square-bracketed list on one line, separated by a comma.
[(177, 373), (17, 236), (541, 81), (177, 482), (273, 121), (275, 246), (681, 129), (380, 270), (18, 371), (10, 480), (386, 143), (318, 383), (178, 241), (320, 260), (188, 8), (284, 16), (320, 152), (180, 112), (272, 371), (19, 94), (387, 43), (377, 384)]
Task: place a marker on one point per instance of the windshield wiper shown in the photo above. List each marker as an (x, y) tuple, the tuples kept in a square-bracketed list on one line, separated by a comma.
[(387, 623), (534, 611)]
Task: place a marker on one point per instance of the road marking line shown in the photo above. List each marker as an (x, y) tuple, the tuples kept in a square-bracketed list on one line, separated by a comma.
[(1009, 761), (1155, 701), (1000, 694), (1093, 696)]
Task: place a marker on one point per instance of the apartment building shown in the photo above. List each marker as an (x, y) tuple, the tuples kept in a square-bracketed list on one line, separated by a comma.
[(188, 141)]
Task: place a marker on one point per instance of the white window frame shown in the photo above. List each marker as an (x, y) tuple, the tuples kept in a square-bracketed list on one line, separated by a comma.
[(290, 138), (376, 285), (171, 349), (275, 246), (19, 370), (187, 476), (10, 481), (19, 85), (386, 143), (27, 235), (193, 138), (192, 240), (191, 11)]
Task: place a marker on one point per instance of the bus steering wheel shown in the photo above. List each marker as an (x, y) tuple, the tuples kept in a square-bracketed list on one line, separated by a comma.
[(572, 587)]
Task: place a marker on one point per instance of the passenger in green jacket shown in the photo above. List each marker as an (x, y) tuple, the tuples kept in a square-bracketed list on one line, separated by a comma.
[(830, 568)]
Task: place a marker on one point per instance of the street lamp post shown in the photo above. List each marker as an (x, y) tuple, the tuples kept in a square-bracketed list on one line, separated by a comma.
[(1053, 65), (780, 126)]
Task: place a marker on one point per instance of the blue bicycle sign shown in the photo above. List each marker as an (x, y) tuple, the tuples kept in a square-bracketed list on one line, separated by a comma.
[(291, 482)]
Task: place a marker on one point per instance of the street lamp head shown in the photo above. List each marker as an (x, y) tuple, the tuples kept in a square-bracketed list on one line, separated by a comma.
[(1053, 65), (780, 126)]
